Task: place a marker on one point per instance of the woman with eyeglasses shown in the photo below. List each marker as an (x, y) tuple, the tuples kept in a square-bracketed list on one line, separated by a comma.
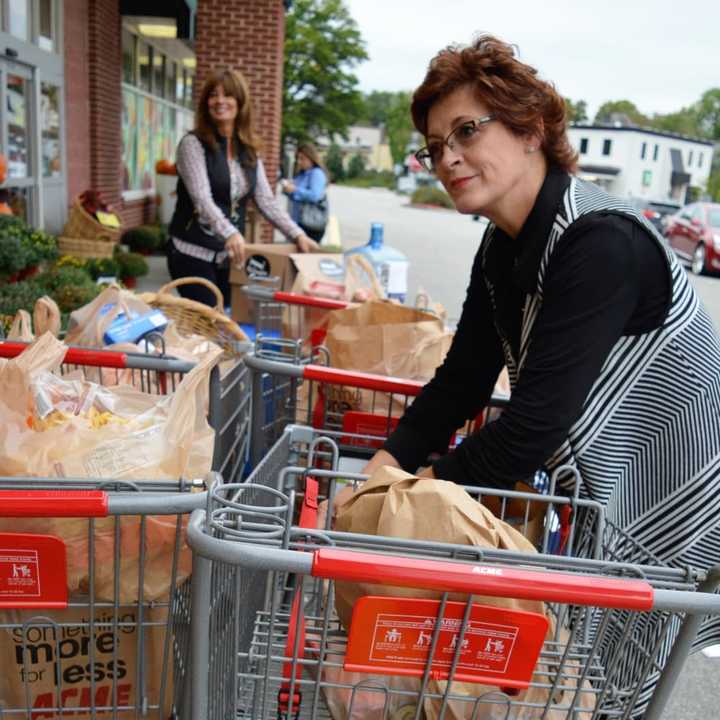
[(613, 361)]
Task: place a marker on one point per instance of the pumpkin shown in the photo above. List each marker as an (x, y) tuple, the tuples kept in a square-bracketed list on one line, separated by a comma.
[(3, 168), (165, 167)]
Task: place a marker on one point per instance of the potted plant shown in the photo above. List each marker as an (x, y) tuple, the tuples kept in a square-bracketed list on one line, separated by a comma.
[(144, 239), (13, 252), (131, 266)]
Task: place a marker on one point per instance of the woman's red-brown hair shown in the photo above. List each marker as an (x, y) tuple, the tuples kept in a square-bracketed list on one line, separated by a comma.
[(511, 90), (232, 83)]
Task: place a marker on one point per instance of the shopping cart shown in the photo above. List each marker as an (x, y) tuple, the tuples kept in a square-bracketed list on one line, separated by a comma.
[(228, 405), (621, 633), (359, 409), (95, 597), (294, 316)]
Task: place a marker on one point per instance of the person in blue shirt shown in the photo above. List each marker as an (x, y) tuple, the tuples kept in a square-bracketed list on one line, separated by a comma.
[(308, 186)]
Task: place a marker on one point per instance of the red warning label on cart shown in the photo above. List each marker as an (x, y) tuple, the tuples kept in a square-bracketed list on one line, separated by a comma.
[(19, 573), (32, 571), (492, 645)]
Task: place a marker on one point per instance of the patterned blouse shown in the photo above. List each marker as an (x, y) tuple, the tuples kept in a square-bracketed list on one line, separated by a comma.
[(193, 170)]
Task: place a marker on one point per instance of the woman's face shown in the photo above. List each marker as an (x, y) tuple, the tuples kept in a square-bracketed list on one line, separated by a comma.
[(492, 163), (222, 108), (303, 161)]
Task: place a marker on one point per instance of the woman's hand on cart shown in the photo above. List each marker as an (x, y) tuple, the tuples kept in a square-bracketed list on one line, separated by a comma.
[(306, 244), (235, 246)]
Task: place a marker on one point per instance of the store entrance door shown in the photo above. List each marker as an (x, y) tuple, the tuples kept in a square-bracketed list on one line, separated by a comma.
[(18, 130)]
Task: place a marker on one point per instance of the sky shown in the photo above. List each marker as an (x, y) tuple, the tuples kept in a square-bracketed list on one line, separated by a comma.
[(661, 55)]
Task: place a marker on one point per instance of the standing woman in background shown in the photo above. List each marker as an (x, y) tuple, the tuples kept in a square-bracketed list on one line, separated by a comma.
[(219, 170), (308, 188)]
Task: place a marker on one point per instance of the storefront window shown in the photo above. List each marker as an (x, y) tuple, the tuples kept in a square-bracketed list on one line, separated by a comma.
[(144, 59), (158, 74), (19, 18), (180, 87), (45, 26), (129, 57), (50, 124), (170, 79), (18, 97), (189, 77)]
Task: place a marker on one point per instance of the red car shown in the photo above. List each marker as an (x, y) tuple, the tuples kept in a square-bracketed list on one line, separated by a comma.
[(694, 235)]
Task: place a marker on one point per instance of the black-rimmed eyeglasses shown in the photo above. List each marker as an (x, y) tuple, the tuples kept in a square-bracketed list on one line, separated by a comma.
[(464, 135)]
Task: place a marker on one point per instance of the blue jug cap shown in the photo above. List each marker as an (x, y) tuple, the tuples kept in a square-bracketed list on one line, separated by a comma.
[(376, 235)]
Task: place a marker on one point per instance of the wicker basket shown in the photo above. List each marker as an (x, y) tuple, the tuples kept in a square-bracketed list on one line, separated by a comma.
[(80, 247), (81, 224), (196, 318)]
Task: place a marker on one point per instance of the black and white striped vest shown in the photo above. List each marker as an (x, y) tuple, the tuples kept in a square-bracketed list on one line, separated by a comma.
[(647, 444)]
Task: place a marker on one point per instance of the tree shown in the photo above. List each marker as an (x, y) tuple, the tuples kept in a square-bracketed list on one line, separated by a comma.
[(334, 162), (391, 110), (576, 111), (356, 167), (399, 126), (376, 107), (684, 122), (322, 46), (620, 107), (708, 113)]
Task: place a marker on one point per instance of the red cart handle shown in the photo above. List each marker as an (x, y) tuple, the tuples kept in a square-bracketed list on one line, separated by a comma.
[(365, 381), (309, 301), (73, 356), (477, 579), (53, 503)]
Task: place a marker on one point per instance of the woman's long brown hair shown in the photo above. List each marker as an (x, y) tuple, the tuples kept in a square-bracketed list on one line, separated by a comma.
[(234, 84)]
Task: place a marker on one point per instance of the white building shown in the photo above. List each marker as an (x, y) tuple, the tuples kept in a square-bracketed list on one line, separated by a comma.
[(639, 162)]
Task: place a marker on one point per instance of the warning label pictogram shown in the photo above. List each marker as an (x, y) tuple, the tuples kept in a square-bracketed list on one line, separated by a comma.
[(399, 636)]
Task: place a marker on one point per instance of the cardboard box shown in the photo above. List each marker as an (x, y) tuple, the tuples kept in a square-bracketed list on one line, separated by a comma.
[(270, 260)]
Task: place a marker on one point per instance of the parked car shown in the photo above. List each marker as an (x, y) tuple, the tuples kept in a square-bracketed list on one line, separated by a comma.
[(657, 212), (694, 235)]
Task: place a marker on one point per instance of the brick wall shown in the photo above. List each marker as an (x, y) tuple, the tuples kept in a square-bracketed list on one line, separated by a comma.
[(104, 79), (77, 96), (247, 35)]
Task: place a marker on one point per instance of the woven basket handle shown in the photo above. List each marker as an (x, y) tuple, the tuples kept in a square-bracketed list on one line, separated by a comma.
[(220, 307)]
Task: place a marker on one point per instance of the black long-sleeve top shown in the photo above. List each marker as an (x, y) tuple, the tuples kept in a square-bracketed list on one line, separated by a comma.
[(607, 278)]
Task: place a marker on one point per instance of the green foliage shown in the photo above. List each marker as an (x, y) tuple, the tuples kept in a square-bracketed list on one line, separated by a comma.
[(322, 45), (13, 255), (334, 162), (21, 246), (373, 178), (57, 277), (620, 107), (391, 110), (131, 264), (356, 166), (399, 126), (101, 267), (19, 296), (71, 297), (430, 195), (145, 238), (708, 114), (576, 111)]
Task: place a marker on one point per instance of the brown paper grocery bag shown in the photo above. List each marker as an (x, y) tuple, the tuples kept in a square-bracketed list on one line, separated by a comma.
[(396, 504), (65, 650)]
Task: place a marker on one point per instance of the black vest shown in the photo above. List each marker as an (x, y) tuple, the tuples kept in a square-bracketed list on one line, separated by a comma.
[(185, 223)]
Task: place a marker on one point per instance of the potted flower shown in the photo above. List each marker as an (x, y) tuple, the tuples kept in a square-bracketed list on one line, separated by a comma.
[(131, 266)]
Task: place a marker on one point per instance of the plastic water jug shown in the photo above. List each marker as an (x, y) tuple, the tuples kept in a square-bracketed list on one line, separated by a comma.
[(390, 265)]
